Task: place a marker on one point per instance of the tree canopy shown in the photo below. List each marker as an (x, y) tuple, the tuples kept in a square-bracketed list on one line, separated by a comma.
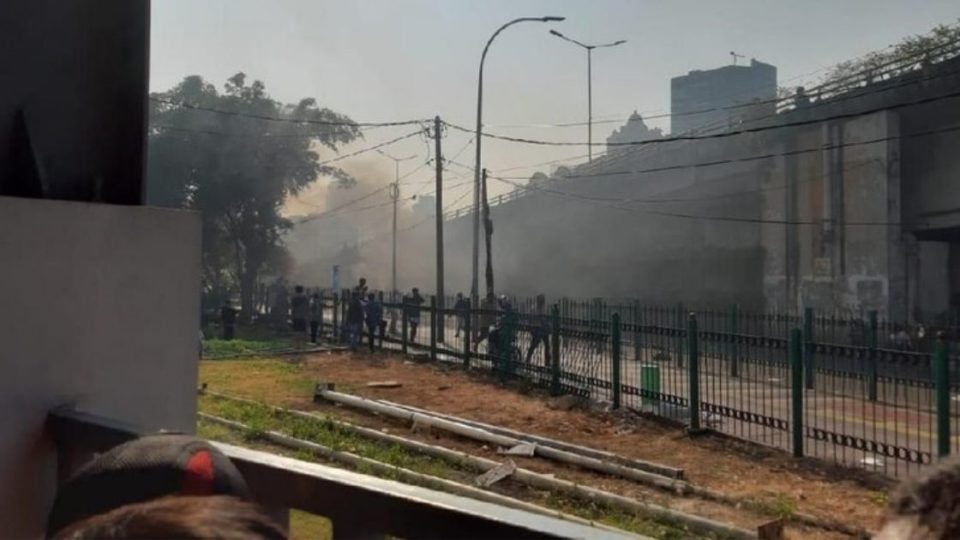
[(941, 43), (235, 155)]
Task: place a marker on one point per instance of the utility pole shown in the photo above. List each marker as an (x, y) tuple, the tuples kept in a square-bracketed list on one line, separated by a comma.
[(438, 156), (488, 234), (395, 195), (589, 104)]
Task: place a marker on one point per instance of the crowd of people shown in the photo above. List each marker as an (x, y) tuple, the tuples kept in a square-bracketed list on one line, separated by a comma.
[(495, 325)]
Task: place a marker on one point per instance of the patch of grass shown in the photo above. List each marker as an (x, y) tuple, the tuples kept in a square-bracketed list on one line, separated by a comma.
[(322, 431), (270, 381), (305, 526), (657, 526), (879, 498), (260, 418), (218, 348), (779, 506)]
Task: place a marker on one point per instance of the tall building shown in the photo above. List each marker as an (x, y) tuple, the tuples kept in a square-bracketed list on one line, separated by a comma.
[(718, 99)]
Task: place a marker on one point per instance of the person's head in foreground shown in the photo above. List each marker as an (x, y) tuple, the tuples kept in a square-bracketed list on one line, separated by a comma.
[(159, 486), (926, 507)]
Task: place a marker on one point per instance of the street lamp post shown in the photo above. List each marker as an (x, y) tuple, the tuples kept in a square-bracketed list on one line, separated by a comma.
[(395, 195), (478, 139), (589, 49)]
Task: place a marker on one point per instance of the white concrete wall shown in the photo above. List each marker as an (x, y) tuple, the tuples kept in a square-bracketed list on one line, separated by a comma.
[(100, 308)]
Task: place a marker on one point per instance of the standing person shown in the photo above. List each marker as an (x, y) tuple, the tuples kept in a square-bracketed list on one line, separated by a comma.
[(488, 317), (361, 288), (299, 311), (539, 331), (316, 316), (460, 310), (412, 307), (354, 320), (374, 315), (281, 304), (228, 320)]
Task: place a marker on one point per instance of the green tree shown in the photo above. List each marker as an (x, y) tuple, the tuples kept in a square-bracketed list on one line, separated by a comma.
[(941, 43), (236, 167)]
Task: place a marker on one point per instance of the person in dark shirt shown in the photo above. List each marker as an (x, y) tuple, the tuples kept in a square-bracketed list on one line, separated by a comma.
[(539, 330), (354, 320), (361, 288), (228, 319), (316, 316), (373, 312), (299, 313), (460, 310), (488, 317), (412, 308)]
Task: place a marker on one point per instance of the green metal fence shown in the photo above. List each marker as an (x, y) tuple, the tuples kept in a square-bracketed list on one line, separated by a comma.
[(815, 385)]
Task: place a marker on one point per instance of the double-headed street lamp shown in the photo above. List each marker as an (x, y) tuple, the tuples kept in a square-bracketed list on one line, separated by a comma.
[(589, 49), (474, 285), (395, 195)]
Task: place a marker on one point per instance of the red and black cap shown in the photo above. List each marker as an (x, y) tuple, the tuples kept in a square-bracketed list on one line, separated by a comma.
[(147, 468)]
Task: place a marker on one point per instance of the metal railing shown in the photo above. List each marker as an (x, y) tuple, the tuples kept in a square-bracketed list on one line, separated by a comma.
[(359, 506), (861, 396)]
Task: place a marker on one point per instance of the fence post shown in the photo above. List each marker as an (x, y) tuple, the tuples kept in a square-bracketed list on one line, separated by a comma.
[(693, 372), (466, 336), (433, 328), (941, 361), (403, 329), (872, 358), (636, 331), (808, 349), (336, 316), (735, 341), (615, 350), (679, 327), (555, 350), (796, 390)]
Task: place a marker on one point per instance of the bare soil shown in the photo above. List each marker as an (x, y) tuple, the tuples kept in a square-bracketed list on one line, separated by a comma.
[(775, 480)]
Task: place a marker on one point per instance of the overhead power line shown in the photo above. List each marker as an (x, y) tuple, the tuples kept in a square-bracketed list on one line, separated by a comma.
[(717, 162), (726, 134), (371, 148), (196, 107)]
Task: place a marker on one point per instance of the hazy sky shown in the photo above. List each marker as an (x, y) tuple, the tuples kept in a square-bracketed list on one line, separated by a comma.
[(385, 60)]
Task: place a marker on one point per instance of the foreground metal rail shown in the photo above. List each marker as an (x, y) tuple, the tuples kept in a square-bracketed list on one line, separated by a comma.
[(359, 506)]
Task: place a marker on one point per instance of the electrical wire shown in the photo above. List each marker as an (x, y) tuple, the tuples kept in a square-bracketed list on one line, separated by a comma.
[(771, 155), (195, 107), (371, 148), (726, 134)]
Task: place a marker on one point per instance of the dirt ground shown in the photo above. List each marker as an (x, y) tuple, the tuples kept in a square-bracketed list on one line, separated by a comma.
[(777, 481)]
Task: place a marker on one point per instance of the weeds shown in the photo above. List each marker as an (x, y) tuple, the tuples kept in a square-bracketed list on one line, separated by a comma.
[(322, 431)]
